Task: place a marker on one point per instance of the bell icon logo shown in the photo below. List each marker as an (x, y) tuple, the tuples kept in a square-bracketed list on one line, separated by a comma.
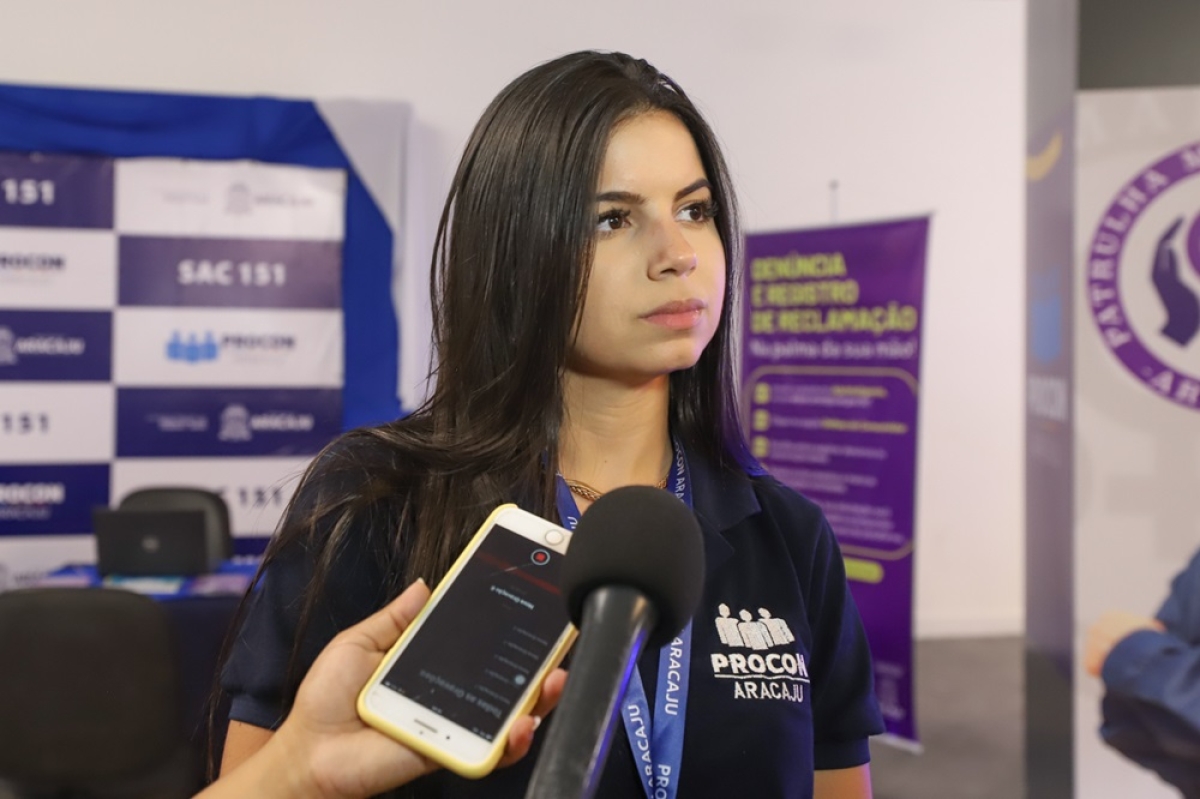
[(238, 200), (8, 352), (235, 424)]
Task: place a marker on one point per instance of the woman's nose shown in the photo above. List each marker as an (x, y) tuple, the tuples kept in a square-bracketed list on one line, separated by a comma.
[(674, 254)]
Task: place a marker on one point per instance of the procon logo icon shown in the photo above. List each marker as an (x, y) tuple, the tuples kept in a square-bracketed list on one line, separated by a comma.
[(192, 349), (32, 493), (759, 658), (31, 263), (205, 346)]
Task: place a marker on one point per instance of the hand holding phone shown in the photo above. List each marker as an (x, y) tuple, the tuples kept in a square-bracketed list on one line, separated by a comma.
[(324, 749), (473, 661)]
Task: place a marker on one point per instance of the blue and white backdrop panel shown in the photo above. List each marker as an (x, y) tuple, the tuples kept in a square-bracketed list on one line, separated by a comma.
[(193, 291)]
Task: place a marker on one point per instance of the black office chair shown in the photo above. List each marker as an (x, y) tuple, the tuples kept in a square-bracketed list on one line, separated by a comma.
[(89, 697), (218, 533)]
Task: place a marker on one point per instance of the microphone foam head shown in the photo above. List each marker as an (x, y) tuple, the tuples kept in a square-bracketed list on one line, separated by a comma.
[(644, 538)]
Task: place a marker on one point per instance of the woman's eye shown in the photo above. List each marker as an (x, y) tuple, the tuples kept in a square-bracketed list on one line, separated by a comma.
[(698, 212), (611, 220)]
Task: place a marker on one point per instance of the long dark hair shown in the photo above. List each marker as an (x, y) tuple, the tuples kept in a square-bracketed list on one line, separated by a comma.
[(511, 260)]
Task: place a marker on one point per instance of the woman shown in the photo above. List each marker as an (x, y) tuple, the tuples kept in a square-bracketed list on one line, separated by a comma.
[(582, 307)]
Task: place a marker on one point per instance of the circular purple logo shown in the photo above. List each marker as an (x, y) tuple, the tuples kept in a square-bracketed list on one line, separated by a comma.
[(1143, 276)]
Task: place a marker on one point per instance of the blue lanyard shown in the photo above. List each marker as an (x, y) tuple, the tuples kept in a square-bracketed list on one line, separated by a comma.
[(657, 742)]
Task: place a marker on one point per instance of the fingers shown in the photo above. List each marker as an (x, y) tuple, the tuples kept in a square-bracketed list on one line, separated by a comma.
[(1093, 659), (552, 688), (520, 738), (1108, 631), (379, 631), (520, 735)]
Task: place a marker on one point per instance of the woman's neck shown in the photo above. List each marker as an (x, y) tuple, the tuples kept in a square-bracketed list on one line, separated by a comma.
[(614, 434)]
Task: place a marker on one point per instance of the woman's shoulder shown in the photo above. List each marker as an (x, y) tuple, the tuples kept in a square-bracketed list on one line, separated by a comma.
[(741, 493), (365, 454), (799, 522), (784, 503), (342, 518), (363, 476), (374, 444)]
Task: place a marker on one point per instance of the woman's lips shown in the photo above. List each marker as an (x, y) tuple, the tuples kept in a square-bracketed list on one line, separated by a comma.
[(679, 315)]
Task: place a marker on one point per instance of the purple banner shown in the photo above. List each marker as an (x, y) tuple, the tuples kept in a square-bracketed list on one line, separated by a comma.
[(159, 422), (65, 191), (55, 345), (832, 323), (230, 273), (51, 500)]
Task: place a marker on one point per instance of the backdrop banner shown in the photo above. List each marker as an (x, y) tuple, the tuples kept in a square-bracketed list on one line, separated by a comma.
[(194, 291), (830, 375)]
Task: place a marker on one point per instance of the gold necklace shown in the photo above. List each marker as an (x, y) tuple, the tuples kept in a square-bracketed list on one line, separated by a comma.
[(591, 495)]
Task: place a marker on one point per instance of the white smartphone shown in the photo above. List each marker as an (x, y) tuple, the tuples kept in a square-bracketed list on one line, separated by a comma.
[(474, 659)]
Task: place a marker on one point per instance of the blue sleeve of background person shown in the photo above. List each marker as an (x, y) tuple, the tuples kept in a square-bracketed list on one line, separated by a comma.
[(1151, 709), (1180, 613)]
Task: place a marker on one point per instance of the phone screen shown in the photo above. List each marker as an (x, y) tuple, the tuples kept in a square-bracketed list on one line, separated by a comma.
[(483, 643)]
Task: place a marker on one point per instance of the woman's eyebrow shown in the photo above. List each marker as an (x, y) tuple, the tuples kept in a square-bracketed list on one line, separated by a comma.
[(627, 197), (694, 186), (633, 198)]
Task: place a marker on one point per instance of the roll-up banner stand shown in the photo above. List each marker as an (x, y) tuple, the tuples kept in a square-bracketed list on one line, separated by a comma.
[(830, 389)]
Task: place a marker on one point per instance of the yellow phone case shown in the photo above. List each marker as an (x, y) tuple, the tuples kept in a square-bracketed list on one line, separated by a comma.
[(425, 746)]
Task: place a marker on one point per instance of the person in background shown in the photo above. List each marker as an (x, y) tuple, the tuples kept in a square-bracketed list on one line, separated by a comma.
[(583, 297), (1151, 673)]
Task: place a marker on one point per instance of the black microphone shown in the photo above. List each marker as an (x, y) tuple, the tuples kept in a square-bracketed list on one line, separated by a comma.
[(632, 578)]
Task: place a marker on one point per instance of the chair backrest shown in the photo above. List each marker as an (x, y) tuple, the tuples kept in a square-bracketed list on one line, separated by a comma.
[(89, 687), (217, 528)]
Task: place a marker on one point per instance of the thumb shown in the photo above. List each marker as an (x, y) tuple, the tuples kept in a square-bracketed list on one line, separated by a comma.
[(382, 629)]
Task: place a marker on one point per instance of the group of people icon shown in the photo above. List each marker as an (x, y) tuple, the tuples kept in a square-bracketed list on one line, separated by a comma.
[(749, 633), (192, 350)]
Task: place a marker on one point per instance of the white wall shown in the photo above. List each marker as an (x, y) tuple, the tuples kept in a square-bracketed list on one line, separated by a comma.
[(911, 106)]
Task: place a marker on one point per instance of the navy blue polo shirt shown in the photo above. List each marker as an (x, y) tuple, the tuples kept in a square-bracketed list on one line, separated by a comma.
[(781, 678)]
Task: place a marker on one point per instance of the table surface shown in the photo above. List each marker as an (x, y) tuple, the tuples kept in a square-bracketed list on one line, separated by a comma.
[(231, 578)]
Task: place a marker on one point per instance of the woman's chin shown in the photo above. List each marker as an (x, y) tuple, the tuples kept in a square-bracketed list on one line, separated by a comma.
[(653, 363)]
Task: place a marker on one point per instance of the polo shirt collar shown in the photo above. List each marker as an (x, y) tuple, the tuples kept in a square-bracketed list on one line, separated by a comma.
[(721, 499)]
